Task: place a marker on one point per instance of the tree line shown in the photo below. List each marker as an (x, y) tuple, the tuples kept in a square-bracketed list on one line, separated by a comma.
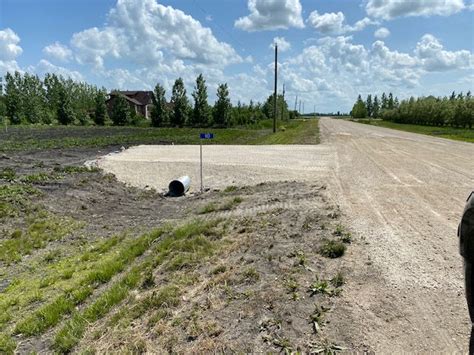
[(456, 110), (28, 99)]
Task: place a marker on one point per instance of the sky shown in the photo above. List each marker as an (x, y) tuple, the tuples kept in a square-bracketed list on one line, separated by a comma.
[(330, 51)]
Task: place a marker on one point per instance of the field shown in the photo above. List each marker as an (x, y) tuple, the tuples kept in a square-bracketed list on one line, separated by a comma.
[(460, 134), (89, 264), (45, 137)]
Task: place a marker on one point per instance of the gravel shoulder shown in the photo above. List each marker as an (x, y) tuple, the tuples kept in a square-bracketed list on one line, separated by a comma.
[(401, 193)]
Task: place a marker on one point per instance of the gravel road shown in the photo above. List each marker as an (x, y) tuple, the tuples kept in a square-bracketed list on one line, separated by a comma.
[(402, 194)]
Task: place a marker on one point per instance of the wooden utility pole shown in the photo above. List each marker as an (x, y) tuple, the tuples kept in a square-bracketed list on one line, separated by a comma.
[(283, 102), (275, 93), (296, 102)]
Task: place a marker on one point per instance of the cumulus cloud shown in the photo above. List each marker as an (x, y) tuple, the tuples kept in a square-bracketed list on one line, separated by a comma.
[(334, 23), (283, 44), (389, 9), (434, 58), (146, 32), (58, 51), (382, 32), (45, 66), (9, 51), (271, 15)]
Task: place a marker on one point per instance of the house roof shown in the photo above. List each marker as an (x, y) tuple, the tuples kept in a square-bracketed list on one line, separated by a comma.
[(143, 97), (132, 100)]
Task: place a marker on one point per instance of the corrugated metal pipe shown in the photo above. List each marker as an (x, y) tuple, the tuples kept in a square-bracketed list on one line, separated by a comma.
[(179, 186)]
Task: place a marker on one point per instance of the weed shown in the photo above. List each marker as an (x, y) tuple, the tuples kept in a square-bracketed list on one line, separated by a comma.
[(300, 258), (317, 318), (7, 344), (37, 178), (291, 285), (319, 286), (332, 249), (219, 269), (210, 207), (51, 256), (250, 275), (326, 347), (70, 169), (338, 280), (148, 280), (14, 198), (7, 174), (229, 189)]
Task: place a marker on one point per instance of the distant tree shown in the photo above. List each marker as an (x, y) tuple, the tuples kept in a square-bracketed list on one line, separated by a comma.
[(120, 114), (384, 102), (3, 110), (201, 115), (65, 111), (359, 110), (376, 107), (222, 107), (100, 112), (391, 102), (369, 105), (281, 105), (13, 104), (180, 104), (159, 111)]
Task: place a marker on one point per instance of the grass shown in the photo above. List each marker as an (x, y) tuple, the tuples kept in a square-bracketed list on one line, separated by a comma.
[(224, 206), (192, 241), (15, 198), (332, 249), (46, 137), (460, 134), (41, 230)]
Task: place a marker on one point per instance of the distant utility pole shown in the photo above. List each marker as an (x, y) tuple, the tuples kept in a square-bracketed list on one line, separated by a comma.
[(296, 102), (275, 93), (303, 107), (299, 109), (283, 102)]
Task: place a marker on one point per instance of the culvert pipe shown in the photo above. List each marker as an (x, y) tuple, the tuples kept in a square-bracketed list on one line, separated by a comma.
[(179, 186)]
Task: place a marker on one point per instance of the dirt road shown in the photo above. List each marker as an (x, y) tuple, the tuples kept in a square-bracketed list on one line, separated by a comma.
[(401, 193)]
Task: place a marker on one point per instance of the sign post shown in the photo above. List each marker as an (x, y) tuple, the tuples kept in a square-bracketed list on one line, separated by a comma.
[(203, 136)]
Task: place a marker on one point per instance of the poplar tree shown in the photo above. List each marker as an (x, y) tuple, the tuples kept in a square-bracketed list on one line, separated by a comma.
[(100, 112), (201, 111), (222, 107), (120, 114), (65, 111), (369, 106), (376, 107), (159, 111), (180, 104), (359, 110)]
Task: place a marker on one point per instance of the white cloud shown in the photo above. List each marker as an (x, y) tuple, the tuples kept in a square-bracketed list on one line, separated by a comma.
[(145, 32), (44, 67), (382, 32), (58, 51), (434, 58), (271, 15), (9, 51), (283, 44), (334, 23), (389, 9)]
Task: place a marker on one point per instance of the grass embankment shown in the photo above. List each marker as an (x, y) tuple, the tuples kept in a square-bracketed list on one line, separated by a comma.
[(459, 134), (45, 137)]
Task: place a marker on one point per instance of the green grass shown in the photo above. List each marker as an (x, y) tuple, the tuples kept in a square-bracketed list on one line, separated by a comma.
[(41, 230), (224, 206), (460, 134), (332, 249), (191, 242), (45, 137), (15, 198)]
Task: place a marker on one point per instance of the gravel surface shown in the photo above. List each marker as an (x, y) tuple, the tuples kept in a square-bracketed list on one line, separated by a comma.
[(401, 193)]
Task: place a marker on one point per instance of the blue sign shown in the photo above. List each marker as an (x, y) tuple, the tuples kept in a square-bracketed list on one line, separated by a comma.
[(207, 135)]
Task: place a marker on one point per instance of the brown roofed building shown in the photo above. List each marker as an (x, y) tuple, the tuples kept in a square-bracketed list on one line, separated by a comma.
[(140, 101)]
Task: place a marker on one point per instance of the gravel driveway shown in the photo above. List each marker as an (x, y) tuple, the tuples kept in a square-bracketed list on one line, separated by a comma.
[(401, 193)]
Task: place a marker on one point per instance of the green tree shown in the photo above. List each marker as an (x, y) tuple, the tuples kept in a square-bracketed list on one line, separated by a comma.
[(376, 107), (180, 104), (3, 110), (201, 112), (384, 102), (100, 112), (13, 99), (159, 111), (390, 102), (359, 110), (120, 114), (222, 107), (65, 111), (281, 105), (369, 106)]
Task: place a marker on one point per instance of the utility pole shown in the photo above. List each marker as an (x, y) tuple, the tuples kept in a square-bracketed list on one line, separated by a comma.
[(275, 93), (296, 101), (299, 109), (283, 102)]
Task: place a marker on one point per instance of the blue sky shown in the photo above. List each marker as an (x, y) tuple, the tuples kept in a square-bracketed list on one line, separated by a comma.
[(330, 51)]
